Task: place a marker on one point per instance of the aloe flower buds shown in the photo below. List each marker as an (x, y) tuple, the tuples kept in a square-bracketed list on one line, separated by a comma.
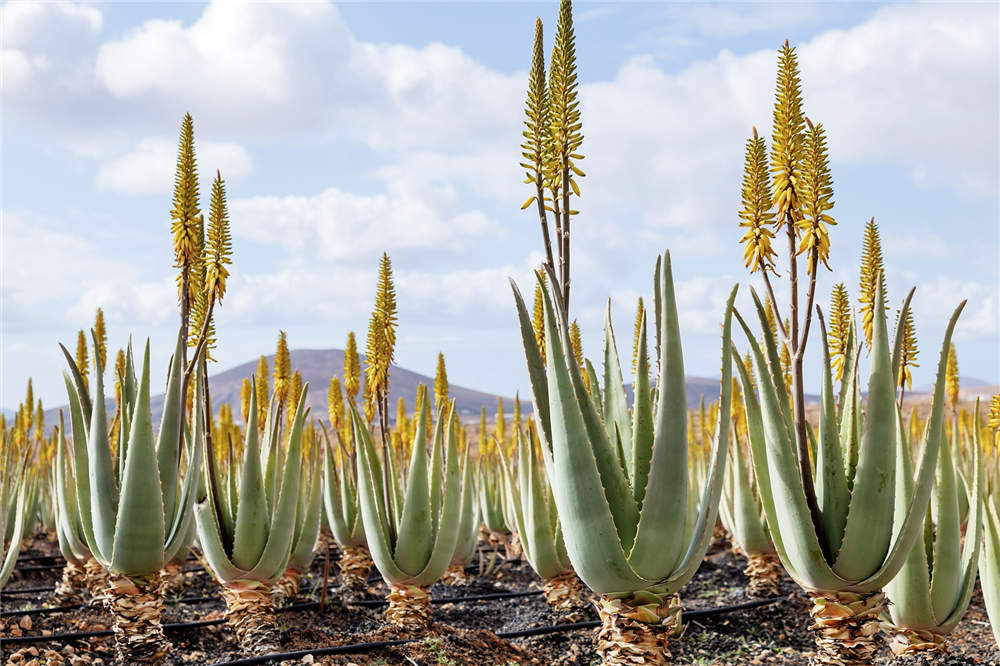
[(620, 479), (247, 539), (863, 546), (930, 595), (412, 537)]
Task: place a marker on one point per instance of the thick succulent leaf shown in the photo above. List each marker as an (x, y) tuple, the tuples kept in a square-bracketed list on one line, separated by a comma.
[(946, 578), (181, 531), (617, 419), (868, 532), (209, 537), (305, 544), (468, 522), (749, 527), (14, 547), (252, 516), (642, 425), (68, 520), (373, 510), (139, 530), (897, 343), (659, 542), (447, 535), (274, 559), (595, 385), (168, 443), (435, 472), (536, 367), (773, 356), (333, 494), (415, 529), (832, 493), (778, 479), (850, 360), (909, 590), (589, 529), (708, 510), (81, 464), (538, 528), (103, 486), (80, 388), (913, 522), (989, 563)]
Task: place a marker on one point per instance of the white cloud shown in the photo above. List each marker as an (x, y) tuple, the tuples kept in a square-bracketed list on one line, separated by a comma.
[(149, 167), (342, 226)]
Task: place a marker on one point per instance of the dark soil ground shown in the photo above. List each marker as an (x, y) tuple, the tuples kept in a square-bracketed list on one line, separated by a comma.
[(462, 632)]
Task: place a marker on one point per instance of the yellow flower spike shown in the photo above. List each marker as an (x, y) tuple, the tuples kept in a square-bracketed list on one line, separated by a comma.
[(381, 336), (951, 381), (538, 318), (262, 391), (82, 358), (352, 369), (102, 337), (786, 144), (815, 195), (501, 424), (335, 404), (282, 369), (872, 277), (908, 351), (756, 212), (246, 390), (440, 384), (840, 328), (295, 387), (577, 344), (401, 425)]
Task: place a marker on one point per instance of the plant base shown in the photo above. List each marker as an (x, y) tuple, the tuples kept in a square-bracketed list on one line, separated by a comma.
[(96, 580), (636, 632), (846, 627), (70, 588), (512, 546), (355, 563), (564, 594), (764, 572), (720, 537), (136, 607), (455, 575), (286, 590), (911, 641), (171, 580), (409, 607), (250, 613)]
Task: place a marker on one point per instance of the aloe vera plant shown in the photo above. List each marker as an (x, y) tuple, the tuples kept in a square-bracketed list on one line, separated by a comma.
[(620, 478), (16, 486), (490, 485), (535, 518), (412, 536), (247, 537), (307, 521), (932, 590), (69, 531), (844, 554), (468, 527), (741, 510), (135, 513), (343, 513)]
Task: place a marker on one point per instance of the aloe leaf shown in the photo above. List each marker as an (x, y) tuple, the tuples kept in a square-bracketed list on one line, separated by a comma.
[(14, 548), (209, 537), (536, 367), (415, 528), (168, 443), (81, 464), (832, 493), (659, 542), (946, 575), (103, 486), (250, 535), (370, 497), (642, 426), (305, 543), (79, 385), (617, 419), (447, 535), (592, 538), (913, 521), (139, 530)]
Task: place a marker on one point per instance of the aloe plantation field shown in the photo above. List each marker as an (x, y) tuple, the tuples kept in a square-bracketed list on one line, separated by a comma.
[(716, 285)]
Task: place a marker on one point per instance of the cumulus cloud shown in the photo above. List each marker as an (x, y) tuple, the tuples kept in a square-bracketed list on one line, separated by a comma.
[(149, 168)]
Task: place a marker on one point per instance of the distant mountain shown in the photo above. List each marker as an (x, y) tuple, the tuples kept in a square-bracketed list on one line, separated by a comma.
[(967, 383), (318, 365)]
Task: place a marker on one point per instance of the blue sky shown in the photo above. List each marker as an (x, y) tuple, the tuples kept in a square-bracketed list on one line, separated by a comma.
[(347, 130)]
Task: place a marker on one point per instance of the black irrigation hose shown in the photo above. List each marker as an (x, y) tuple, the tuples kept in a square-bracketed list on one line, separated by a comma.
[(365, 647), (26, 590), (452, 600), (41, 558), (66, 609)]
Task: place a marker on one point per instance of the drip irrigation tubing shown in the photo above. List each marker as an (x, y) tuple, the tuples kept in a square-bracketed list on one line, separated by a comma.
[(523, 633), (27, 590), (184, 626), (451, 600)]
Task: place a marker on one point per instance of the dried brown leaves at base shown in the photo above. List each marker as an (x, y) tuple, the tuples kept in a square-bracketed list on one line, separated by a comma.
[(136, 608), (455, 575), (564, 594), (625, 640), (409, 607), (96, 580), (250, 613), (846, 627), (764, 572), (355, 563), (171, 579), (70, 588), (286, 590), (913, 641)]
